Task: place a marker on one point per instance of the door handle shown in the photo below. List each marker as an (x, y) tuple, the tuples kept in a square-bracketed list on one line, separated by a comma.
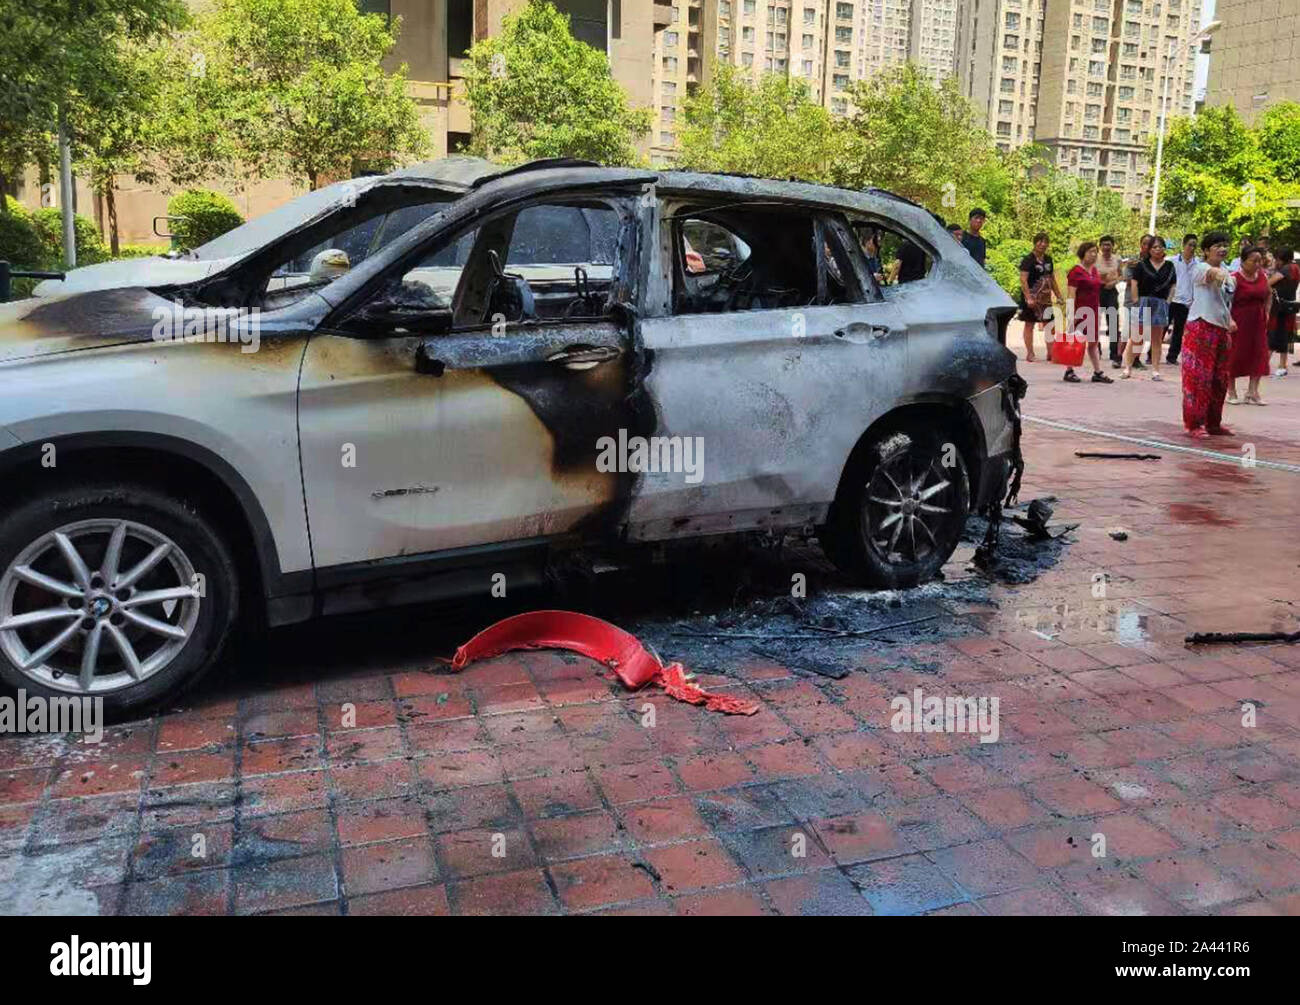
[(861, 332), (583, 357)]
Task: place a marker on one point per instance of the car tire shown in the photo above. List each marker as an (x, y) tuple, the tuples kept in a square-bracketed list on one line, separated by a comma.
[(172, 642), (900, 510)]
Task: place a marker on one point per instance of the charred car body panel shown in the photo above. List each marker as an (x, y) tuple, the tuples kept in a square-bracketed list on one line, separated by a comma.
[(376, 448)]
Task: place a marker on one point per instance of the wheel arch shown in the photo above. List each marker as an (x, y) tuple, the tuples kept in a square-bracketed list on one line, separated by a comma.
[(956, 416), (181, 467)]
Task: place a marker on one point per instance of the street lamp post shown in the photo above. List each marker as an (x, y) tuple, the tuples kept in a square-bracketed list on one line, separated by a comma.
[(1200, 37)]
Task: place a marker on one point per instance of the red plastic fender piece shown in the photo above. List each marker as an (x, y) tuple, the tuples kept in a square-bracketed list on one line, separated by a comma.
[(607, 644)]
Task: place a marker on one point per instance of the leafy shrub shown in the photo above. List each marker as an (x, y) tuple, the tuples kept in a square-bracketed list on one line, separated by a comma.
[(20, 243), (49, 225), (1003, 270), (21, 247), (206, 215), (141, 250)]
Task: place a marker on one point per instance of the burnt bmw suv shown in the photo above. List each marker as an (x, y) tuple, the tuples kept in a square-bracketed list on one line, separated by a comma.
[(345, 414)]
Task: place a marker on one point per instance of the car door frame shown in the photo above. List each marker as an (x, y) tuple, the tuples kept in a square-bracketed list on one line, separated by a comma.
[(781, 459), (476, 347)]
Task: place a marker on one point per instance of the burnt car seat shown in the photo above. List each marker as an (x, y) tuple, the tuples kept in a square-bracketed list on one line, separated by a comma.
[(509, 295)]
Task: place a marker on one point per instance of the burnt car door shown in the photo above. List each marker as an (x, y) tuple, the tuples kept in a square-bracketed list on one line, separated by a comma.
[(772, 348), (455, 400)]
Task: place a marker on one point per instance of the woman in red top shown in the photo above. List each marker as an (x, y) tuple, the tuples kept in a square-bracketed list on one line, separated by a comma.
[(1250, 309), (1083, 294)]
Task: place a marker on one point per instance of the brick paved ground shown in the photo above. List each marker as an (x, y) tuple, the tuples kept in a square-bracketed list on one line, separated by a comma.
[(1109, 726)]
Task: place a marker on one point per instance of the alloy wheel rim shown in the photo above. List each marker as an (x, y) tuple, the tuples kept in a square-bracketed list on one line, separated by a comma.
[(97, 606), (909, 499)]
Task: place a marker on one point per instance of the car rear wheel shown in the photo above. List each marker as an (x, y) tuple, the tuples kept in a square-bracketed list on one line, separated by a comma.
[(115, 592), (901, 509)]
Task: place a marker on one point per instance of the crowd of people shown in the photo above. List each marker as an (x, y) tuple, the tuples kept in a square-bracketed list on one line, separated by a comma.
[(1224, 321)]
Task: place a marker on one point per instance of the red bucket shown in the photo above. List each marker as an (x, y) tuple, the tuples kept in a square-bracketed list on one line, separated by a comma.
[(1068, 349)]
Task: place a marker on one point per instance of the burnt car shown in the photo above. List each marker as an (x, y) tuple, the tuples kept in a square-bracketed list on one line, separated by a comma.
[(533, 368)]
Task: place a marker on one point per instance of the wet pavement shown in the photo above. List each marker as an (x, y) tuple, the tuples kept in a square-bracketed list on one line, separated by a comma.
[(342, 768)]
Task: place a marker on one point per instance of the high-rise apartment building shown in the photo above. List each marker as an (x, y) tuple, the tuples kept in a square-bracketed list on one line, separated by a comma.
[(1084, 78), (826, 43), (932, 37), (999, 46), (1255, 61), (1106, 70)]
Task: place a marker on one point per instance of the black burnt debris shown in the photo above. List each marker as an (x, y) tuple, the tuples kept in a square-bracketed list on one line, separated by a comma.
[(1012, 557)]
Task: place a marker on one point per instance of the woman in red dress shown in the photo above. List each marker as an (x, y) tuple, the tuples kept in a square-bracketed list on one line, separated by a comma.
[(1083, 297), (1250, 309)]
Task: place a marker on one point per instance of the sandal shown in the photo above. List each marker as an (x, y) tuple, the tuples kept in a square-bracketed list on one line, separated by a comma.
[(1198, 433), (1100, 378), (1254, 399), (1156, 376), (1126, 375), (1071, 377)]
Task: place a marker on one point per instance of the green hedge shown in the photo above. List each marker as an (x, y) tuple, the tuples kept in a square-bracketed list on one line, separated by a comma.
[(90, 246), (206, 215)]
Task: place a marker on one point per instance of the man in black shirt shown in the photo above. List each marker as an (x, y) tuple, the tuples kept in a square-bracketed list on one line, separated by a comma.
[(911, 263), (972, 241)]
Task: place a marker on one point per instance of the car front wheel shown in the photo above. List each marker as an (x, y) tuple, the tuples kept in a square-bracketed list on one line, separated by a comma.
[(901, 509), (116, 592)]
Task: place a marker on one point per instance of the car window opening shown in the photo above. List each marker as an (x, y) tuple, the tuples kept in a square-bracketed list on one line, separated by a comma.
[(545, 262), (742, 258)]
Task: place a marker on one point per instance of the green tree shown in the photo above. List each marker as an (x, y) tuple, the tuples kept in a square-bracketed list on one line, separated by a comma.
[(113, 138), (772, 129), (296, 87), (917, 140), (74, 57), (1219, 172), (535, 91)]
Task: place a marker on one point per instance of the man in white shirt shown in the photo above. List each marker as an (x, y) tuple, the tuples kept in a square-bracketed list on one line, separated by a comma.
[(1110, 267), (1235, 264), (1181, 302)]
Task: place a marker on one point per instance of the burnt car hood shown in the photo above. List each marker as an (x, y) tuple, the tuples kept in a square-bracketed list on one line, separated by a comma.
[(40, 326), (152, 271)]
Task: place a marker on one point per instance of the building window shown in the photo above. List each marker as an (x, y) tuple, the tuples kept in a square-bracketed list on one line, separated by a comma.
[(460, 27), (588, 20)]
